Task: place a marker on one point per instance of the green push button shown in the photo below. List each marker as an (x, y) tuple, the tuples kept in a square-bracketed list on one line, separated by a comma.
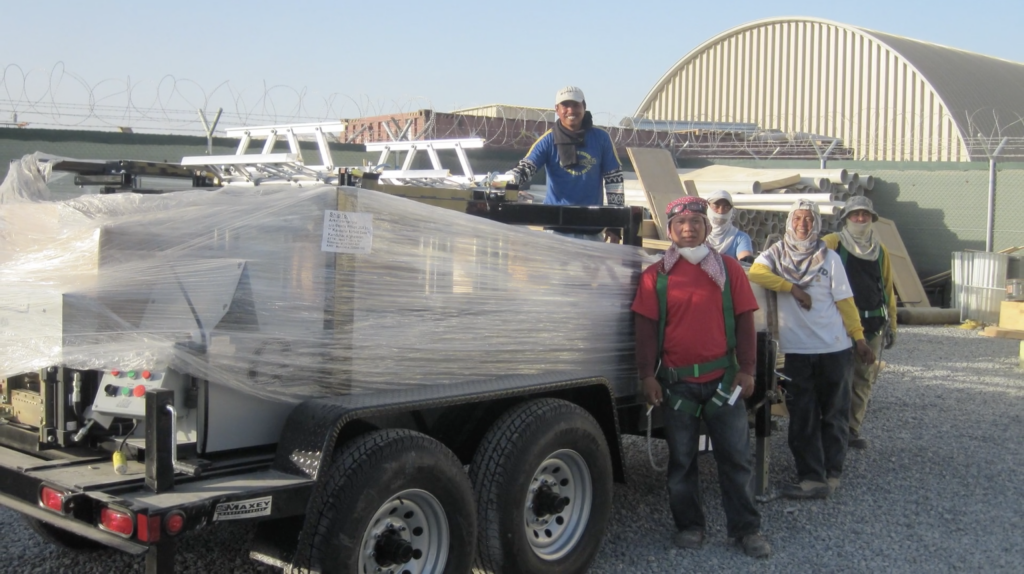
[(125, 391), (131, 374)]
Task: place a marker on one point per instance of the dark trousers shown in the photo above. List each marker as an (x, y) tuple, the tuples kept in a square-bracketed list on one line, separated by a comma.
[(818, 400), (730, 440)]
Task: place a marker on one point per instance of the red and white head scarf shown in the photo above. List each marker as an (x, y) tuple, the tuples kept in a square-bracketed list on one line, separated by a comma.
[(712, 263)]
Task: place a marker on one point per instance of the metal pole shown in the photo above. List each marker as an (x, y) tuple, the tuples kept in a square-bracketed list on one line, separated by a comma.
[(991, 203), (209, 129), (989, 231), (823, 156), (159, 439)]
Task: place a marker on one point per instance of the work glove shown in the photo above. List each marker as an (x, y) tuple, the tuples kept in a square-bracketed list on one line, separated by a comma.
[(890, 338)]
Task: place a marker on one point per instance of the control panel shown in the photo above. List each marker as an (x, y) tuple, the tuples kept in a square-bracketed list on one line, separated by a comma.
[(123, 393)]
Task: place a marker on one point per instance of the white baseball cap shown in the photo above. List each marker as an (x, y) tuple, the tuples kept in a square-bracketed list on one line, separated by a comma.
[(569, 93), (720, 194)]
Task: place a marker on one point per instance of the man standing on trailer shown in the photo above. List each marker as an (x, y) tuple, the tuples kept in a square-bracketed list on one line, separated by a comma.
[(695, 343), (867, 266), (817, 321), (580, 160)]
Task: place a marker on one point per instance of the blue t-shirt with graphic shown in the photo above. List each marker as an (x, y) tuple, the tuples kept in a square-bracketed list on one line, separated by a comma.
[(580, 184), (741, 243)]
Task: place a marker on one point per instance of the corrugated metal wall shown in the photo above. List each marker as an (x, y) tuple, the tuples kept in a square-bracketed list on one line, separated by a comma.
[(815, 77)]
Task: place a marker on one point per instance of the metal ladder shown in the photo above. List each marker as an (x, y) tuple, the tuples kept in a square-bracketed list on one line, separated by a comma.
[(244, 168), (265, 168)]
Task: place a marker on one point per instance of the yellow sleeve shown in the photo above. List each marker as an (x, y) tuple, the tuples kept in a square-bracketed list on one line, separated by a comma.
[(831, 241), (851, 319), (890, 291), (762, 275)]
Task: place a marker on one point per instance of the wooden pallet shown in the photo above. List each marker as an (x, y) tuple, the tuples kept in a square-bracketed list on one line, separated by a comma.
[(1001, 333)]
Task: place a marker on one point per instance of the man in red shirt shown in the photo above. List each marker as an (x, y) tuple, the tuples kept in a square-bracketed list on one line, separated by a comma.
[(695, 343)]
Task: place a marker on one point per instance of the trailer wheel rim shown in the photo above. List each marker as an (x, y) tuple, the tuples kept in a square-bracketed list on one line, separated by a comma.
[(410, 518), (552, 535)]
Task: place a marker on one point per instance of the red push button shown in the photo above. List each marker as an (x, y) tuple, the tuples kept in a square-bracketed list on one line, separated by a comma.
[(146, 375), (115, 372), (139, 390)]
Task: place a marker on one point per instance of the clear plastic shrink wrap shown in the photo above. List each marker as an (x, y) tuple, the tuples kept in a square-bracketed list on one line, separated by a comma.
[(245, 287)]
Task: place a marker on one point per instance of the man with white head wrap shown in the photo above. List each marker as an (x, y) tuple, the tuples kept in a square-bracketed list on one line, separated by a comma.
[(817, 321), (867, 266), (725, 237)]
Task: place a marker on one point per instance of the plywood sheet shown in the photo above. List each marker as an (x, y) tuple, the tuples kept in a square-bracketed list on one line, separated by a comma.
[(657, 244), (904, 276), (656, 170)]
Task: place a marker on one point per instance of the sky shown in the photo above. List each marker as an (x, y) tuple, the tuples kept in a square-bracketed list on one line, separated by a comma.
[(318, 59)]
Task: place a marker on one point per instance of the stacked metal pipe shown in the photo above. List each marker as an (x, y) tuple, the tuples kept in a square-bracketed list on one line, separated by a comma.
[(762, 212), (763, 216)]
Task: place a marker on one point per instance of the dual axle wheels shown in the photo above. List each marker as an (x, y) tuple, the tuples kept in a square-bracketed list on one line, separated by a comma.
[(537, 499)]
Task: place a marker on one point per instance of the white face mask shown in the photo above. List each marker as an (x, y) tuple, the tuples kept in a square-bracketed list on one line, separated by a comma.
[(693, 254), (719, 219), (858, 230)]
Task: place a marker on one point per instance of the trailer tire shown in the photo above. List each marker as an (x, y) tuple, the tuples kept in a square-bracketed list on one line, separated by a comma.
[(387, 489), (57, 536), (543, 443)]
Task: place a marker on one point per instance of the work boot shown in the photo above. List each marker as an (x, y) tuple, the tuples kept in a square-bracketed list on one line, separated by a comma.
[(689, 539), (833, 484), (857, 441), (755, 546), (806, 489)]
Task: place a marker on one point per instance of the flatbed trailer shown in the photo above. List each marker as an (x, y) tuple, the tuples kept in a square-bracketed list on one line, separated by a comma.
[(366, 480)]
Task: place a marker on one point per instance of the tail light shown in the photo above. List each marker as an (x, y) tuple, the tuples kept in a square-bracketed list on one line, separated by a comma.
[(149, 528), (175, 523), (117, 521), (53, 499)]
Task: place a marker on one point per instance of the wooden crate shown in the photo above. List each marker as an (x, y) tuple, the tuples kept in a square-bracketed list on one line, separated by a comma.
[(1011, 315)]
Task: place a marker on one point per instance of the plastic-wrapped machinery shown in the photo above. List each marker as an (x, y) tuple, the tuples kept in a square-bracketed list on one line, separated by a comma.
[(292, 292)]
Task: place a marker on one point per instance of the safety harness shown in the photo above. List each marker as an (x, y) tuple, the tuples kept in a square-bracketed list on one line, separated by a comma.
[(882, 311), (669, 376)]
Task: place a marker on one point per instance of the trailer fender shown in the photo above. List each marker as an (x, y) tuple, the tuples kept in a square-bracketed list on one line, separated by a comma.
[(316, 427)]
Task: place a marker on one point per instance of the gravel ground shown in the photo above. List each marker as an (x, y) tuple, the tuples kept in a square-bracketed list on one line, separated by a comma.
[(937, 491)]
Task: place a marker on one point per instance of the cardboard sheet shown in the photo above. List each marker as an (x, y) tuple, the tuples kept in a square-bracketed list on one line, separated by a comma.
[(904, 276)]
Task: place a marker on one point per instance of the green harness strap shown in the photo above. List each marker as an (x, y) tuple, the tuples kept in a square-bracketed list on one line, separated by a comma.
[(728, 362)]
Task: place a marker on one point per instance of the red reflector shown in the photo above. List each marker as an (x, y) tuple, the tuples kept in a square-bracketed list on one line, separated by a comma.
[(116, 521), (149, 528), (52, 499), (175, 523)]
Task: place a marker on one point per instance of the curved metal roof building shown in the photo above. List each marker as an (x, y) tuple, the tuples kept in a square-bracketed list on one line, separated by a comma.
[(886, 96)]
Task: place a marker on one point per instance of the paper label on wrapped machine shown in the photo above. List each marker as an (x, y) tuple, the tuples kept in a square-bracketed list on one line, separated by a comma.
[(347, 232)]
